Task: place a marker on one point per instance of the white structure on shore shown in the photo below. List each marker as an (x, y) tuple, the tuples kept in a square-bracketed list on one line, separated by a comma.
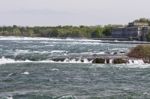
[(133, 31)]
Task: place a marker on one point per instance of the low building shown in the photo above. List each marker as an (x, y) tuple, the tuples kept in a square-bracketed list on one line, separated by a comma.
[(133, 31)]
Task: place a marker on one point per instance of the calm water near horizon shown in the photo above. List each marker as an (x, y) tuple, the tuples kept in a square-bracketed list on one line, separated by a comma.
[(27, 71)]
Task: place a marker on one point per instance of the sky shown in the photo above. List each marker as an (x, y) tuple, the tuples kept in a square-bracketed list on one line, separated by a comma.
[(71, 12)]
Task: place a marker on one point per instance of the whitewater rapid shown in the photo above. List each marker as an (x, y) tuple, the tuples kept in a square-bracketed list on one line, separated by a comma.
[(49, 68), (131, 64), (48, 50)]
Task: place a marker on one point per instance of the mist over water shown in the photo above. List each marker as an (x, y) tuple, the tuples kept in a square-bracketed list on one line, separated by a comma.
[(27, 71)]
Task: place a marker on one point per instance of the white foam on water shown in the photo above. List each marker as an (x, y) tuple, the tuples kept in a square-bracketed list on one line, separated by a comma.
[(81, 39), (9, 97), (44, 38), (111, 61), (44, 42), (10, 74), (119, 49), (25, 38), (80, 42), (55, 69), (40, 52), (105, 61), (93, 53), (131, 64), (49, 45), (101, 53), (19, 51), (84, 53), (136, 61), (89, 43), (58, 51), (4, 60), (25, 73), (86, 61), (67, 97)]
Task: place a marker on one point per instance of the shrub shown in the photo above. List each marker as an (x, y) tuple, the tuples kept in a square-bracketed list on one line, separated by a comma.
[(140, 51)]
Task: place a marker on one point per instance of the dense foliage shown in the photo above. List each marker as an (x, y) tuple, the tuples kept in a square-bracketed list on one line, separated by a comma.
[(59, 31), (65, 31), (140, 51), (144, 20)]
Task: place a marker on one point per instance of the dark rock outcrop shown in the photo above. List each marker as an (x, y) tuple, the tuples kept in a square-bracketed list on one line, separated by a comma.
[(99, 60), (120, 61)]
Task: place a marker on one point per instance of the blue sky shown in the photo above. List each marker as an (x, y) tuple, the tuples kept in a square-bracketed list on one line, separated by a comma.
[(71, 12)]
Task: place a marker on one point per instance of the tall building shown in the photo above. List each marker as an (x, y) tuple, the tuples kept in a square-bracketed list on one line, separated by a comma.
[(133, 31)]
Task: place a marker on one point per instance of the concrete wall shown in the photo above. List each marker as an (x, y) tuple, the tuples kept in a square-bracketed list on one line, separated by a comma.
[(131, 31)]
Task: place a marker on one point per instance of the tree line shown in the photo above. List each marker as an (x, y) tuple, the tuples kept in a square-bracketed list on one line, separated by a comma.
[(58, 31), (64, 31)]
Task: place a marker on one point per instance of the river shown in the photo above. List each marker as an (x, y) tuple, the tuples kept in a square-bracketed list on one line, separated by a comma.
[(27, 71)]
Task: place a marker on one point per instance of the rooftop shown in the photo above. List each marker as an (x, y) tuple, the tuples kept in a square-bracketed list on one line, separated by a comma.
[(132, 24)]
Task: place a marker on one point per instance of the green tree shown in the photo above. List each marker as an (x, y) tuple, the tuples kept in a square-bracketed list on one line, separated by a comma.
[(97, 33), (144, 20), (107, 30), (16, 31)]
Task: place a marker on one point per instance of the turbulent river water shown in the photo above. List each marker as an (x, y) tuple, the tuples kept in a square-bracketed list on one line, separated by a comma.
[(27, 71)]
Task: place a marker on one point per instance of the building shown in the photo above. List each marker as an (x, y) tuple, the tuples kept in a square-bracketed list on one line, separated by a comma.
[(133, 31)]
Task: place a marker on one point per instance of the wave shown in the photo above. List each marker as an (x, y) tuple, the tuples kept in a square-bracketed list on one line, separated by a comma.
[(42, 38), (4, 60), (137, 61), (131, 64), (26, 38), (59, 51), (17, 51), (80, 42), (26, 52)]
